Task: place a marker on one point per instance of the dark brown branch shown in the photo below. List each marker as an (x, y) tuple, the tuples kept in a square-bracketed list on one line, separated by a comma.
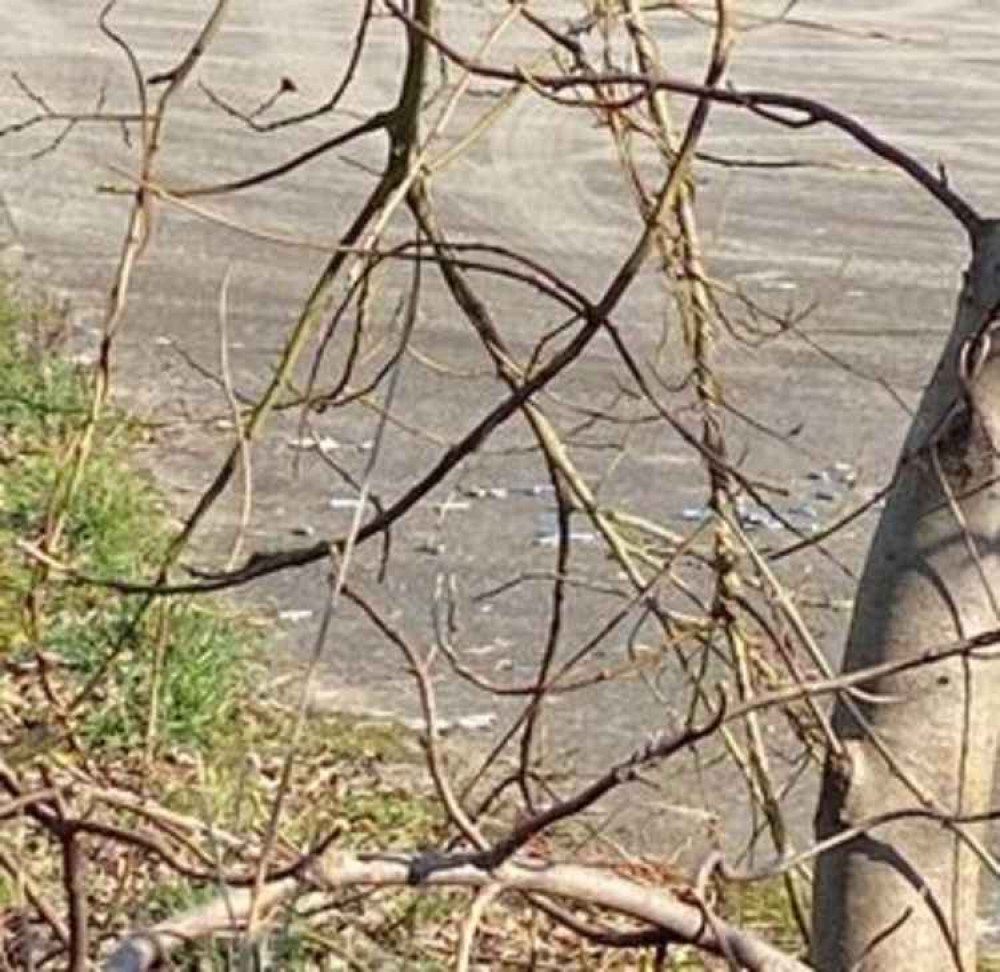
[(74, 864), (792, 111), (375, 123), (288, 85), (655, 751)]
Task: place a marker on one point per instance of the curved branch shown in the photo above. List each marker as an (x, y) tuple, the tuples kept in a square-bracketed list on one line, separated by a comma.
[(679, 920), (772, 105)]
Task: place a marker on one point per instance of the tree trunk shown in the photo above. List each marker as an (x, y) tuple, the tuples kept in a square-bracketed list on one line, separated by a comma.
[(903, 895)]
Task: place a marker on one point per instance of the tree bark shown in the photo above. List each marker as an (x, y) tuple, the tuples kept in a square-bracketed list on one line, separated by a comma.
[(904, 895)]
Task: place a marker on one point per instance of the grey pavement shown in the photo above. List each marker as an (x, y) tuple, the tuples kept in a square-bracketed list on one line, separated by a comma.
[(879, 260)]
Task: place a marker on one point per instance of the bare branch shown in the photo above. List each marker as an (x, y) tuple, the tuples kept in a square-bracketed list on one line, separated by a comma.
[(792, 111), (680, 921)]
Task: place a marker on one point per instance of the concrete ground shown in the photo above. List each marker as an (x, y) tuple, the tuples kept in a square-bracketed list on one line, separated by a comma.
[(877, 259)]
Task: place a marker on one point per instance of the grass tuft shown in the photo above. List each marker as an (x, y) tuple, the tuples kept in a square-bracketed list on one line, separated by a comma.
[(174, 716), (185, 666), (173, 707)]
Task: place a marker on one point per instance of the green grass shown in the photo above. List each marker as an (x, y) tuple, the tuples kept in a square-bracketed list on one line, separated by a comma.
[(39, 393), (174, 706), (177, 711), (116, 527)]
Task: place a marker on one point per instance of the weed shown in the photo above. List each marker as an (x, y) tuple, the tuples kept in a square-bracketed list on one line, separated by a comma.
[(116, 527), (173, 706), (173, 711)]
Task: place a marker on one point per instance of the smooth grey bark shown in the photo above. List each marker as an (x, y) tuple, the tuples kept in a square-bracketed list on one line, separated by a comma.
[(904, 896)]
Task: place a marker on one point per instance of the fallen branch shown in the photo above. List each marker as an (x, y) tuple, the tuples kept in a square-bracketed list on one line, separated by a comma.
[(679, 921)]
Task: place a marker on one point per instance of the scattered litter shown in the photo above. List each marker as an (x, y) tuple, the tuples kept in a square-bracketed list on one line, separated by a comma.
[(845, 473), (547, 534), (163, 341), (485, 492), (451, 506), (694, 514), (840, 473), (345, 502), (749, 515), (470, 723), (294, 616), (804, 511), (767, 280), (486, 649), (473, 723), (833, 481), (505, 492), (433, 547), (539, 489), (574, 536), (754, 519), (303, 531), (326, 443)]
